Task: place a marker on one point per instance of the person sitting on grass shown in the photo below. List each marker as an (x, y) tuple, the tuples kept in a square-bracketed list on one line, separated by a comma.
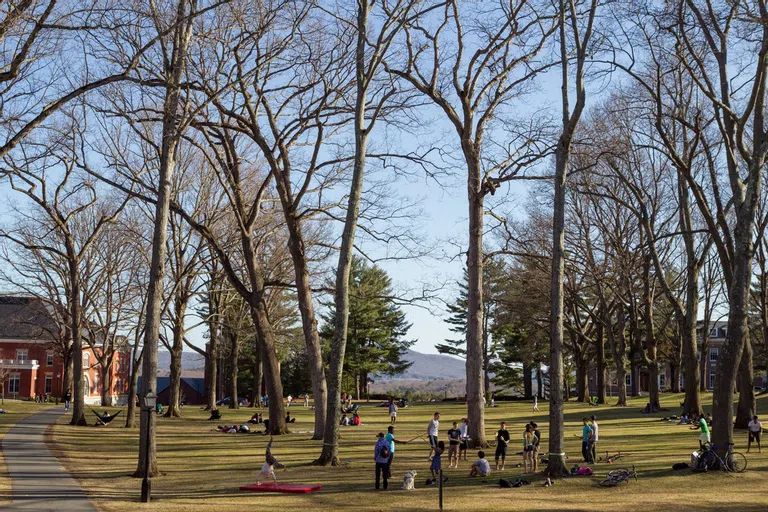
[(288, 418), (701, 424), (344, 421), (255, 419), (215, 415), (437, 465), (481, 467), (684, 419), (356, 422)]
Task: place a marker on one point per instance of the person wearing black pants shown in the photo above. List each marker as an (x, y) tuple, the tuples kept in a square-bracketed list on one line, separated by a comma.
[(381, 453)]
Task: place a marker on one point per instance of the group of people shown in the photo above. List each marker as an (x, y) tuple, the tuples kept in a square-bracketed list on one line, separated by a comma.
[(589, 438), (355, 421)]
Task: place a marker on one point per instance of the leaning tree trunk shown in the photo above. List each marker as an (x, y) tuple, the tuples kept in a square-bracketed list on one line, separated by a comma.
[(274, 386), (474, 344), (308, 317), (747, 405)]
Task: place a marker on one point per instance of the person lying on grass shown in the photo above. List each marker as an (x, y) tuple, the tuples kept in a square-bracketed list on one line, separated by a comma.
[(481, 467)]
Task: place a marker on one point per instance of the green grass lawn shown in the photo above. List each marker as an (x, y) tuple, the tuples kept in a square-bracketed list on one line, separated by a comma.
[(203, 469), (15, 411)]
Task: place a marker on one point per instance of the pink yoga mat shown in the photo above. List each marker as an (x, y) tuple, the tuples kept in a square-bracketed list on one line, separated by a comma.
[(286, 488)]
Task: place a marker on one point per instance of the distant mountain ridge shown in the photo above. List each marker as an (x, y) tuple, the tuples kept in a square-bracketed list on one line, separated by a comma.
[(425, 367)]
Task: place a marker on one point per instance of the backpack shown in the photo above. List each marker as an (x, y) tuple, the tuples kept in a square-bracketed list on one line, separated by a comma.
[(505, 483), (585, 471), (384, 453), (680, 465)]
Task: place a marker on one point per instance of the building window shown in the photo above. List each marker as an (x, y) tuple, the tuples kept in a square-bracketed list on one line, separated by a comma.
[(14, 381), (711, 381), (662, 380), (628, 379), (86, 359), (49, 358), (22, 354), (723, 332), (86, 385), (96, 384), (713, 354), (48, 384)]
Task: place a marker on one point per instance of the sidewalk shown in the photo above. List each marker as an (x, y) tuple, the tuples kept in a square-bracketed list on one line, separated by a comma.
[(38, 481)]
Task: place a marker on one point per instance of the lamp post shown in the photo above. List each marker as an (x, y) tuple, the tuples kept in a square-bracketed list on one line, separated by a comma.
[(149, 401)]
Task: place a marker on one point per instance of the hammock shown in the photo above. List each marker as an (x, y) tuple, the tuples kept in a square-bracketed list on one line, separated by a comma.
[(105, 419)]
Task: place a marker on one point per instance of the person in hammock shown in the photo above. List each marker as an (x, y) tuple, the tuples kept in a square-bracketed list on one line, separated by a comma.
[(270, 464)]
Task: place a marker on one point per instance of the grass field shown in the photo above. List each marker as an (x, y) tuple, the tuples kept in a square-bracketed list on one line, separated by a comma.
[(16, 410), (203, 469)]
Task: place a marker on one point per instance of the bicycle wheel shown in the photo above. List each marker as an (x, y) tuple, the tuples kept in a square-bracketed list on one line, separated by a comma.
[(609, 482), (736, 462)]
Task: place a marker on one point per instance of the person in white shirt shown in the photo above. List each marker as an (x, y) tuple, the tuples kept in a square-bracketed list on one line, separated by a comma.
[(593, 441), (290, 399), (306, 400), (535, 403), (433, 428), (755, 429), (463, 438), (392, 411)]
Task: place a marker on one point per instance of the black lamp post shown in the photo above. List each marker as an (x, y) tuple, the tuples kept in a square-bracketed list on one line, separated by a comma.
[(148, 403)]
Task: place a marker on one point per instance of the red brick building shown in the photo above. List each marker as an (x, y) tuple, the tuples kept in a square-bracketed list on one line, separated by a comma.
[(31, 359)]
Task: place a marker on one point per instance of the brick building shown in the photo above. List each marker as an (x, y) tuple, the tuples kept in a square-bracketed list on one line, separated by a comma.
[(31, 359)]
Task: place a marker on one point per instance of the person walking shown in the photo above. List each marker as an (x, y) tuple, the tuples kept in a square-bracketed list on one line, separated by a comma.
[(594, 439), (502, 440), (381, 457), (67, 400), (289, 399), (755, 429), (586, 434), (433, 429), (306, 400), (392, 411), (535, 403), (390, 438)]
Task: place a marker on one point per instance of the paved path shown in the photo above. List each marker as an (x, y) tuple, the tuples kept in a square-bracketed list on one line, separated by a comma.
[(38, 481)]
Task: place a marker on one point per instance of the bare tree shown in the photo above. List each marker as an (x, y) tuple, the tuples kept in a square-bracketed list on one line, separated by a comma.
[(473, 75)]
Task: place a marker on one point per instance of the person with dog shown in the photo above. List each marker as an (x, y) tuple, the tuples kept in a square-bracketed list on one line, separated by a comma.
[(381, 455), (454, 439), (755, 429), (502, 440), (433, 429), (390, 437)]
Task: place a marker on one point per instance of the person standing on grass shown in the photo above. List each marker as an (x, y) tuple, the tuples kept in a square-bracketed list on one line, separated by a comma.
[(454, 438), (289, 399), (594, 439), (392, 411), (437, 465), (463, 438), (67, 400), (527, 448), (390, 438), (701, 424), (502, 440), (586, 434), (535, 403), (755, 429), (381, 455), (306, 400), (536, 445), (433, 429)]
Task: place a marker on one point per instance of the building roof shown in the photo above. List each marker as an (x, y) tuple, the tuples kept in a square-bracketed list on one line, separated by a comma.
[(198, 384), (26, 318)]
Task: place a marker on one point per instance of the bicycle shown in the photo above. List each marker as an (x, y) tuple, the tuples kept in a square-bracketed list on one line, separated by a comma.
[(617, 476), (610, 459), (734, 462)]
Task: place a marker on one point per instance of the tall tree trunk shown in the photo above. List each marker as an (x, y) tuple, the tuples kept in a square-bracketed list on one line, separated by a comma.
[(78, 398), (256, 385), (130, 415), (234, 353), (619, 349), (474, 345), (106, 386), (177, 351), (747, 406), (211, 365), (66, 378), (601, 391), (653, 383), (539, 381), (674, 375), (170, 137), (582, 383), (527, 381), (635, 372)]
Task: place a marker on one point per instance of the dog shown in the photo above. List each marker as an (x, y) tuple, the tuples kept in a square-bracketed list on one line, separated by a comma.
[(409, 481)]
